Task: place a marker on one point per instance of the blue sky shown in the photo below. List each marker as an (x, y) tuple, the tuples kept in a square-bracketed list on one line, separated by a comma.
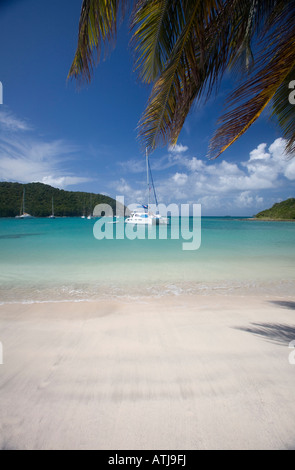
[(87, 140)]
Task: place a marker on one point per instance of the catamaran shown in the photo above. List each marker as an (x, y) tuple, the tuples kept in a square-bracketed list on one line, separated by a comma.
[(143, 214), (23, 213)]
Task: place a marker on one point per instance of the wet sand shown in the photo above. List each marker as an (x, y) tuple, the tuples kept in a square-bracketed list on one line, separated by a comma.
[(176, 373)]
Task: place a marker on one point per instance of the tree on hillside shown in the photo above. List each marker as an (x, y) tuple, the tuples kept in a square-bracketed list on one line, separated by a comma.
[(184, 47)]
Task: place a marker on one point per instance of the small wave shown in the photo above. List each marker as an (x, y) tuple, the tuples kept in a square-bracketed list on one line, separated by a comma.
[(94, 292)]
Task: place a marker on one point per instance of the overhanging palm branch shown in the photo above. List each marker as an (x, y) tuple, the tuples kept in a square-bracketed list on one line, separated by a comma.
[(155, 23), (184, 48), (270, 83), (284, 112), (97, 26), (195, 64), (183, 76)]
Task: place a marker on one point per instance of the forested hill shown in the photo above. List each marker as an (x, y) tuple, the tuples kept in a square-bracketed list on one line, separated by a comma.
[(281, 211), (38, 200)]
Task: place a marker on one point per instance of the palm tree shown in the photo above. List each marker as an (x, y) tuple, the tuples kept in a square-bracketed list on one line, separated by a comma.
[(184, 47)]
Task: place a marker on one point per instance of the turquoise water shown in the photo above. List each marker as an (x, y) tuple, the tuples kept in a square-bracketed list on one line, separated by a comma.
[(60, 259)]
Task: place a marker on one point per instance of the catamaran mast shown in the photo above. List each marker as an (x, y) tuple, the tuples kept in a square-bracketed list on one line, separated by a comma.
[(148, 177), (24, 201), (152, 181)]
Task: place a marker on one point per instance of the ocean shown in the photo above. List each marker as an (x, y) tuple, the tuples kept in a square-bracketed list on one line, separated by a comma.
[(60, 260)]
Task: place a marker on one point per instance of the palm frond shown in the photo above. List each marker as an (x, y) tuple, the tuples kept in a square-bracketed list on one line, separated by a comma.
[(185, 46), (152, 41), (182, 78), (97, 26), (283, 110), (249, 100), (210, 38), (243, 60)]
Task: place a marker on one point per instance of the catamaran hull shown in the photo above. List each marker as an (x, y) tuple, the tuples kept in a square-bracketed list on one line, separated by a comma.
[(139, 222), (148, 221)]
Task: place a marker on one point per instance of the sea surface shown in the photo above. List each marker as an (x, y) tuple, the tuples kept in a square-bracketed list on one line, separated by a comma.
[(61, 260)]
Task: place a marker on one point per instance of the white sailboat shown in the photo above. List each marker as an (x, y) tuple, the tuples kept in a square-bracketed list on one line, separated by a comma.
[(90, 216), (83, 216), (143, 215), (23, 213), (52, 216)]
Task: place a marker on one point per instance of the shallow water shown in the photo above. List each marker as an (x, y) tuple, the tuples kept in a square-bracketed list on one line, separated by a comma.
[(60, 259)]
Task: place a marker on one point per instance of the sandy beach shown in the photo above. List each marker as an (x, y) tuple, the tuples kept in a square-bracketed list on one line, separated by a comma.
[(186, 372)]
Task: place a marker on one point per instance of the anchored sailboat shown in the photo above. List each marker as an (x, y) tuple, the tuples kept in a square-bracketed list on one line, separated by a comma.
[(52, 216), (23, 213), (90, 216), (143, 215)]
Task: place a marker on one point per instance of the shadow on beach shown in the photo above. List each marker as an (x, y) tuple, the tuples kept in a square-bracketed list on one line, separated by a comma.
[(274, 332), (284, 304)]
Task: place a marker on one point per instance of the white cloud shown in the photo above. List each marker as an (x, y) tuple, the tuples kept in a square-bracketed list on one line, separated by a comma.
[(222, 185), (290, 171), (245, 199), (259, 153), (123, 187), (63, 181), (193, 164), (133, 166), (25, 158), (177, 148), (180, 178), (268, 168), (11, 123), (277, 149)]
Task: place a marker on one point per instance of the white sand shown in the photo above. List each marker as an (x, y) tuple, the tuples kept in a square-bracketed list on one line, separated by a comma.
[(178, 373)]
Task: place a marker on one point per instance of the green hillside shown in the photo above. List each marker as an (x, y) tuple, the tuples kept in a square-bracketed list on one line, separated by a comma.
[(38, 201), (283, 210)]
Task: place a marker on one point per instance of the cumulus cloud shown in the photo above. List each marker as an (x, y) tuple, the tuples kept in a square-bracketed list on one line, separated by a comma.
[(290, 171), (122, 186), (247, 199), (180, 178), (226, 186), (178, 148), (259, 153)]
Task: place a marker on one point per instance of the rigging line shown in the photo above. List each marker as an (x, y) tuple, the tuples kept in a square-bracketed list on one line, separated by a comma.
[(152, 180)]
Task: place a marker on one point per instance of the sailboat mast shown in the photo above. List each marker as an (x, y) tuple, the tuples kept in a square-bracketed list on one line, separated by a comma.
[(24, 201), (148, 177)]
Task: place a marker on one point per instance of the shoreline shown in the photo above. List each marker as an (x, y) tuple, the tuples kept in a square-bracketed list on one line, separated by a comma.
[(184, 372), (97, 292), (266, 219)]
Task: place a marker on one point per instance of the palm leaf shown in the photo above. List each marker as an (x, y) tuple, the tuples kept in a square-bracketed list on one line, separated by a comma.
[(249, 100), (152, 40), (97, 26), (185, 46), (182, 77), (284, 112), (210, 37)]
